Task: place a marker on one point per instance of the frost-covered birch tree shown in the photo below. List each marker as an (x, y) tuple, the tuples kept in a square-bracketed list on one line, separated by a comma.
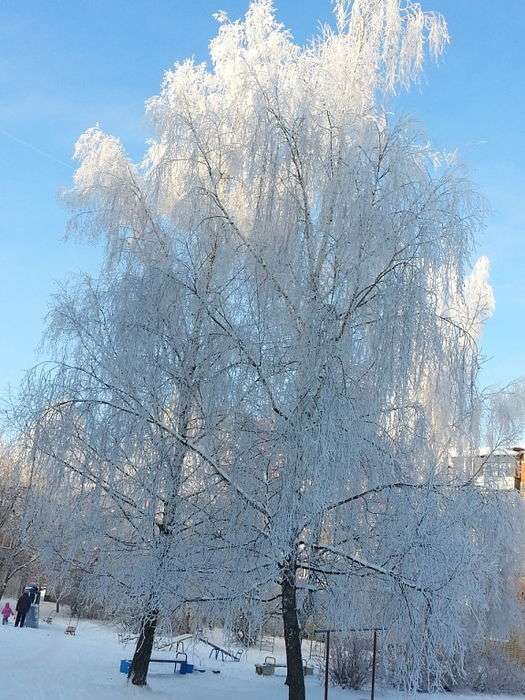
[(110, 422), (17, 526), (271, 375)]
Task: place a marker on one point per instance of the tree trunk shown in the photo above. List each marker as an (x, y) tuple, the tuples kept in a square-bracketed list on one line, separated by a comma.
[(139, 666), (292, 640), (57, 606), (4, 580)]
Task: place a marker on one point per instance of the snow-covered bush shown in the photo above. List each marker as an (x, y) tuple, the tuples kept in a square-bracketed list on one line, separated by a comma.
[(350, 661), (490, 667), (244, 631)]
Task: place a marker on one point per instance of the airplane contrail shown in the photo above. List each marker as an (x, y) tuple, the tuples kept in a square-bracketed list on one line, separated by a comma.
[(35, 149)]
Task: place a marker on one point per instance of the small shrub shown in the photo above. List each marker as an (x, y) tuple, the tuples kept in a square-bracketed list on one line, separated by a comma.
[(350, 662), (243, 631), (491, 668)]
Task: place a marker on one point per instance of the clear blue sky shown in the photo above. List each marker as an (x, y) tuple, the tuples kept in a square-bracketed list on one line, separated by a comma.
[(66, 64)]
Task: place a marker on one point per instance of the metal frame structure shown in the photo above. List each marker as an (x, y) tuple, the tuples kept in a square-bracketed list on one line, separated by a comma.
[(327, 632)]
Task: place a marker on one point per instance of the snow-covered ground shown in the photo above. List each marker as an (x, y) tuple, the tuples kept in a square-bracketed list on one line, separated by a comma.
[(45, 664)]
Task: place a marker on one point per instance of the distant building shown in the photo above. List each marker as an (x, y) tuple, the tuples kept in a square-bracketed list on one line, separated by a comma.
[(503, 468)]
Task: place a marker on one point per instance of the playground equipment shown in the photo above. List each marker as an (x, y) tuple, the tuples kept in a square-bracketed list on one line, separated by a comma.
[(270, 664), (316, 652), (217, 651), (178, 644), (266, 642), (181, 660)]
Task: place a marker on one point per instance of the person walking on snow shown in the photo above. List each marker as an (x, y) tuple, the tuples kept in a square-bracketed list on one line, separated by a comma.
[(6, 613), (22, 607)]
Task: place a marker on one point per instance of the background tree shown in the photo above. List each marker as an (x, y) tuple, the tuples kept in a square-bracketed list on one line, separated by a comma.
[(17, 527)]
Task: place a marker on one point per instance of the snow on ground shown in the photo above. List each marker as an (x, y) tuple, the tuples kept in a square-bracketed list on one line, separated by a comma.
[(45, 664)]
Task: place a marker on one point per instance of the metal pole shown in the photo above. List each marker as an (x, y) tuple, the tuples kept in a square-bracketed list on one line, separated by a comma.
[(327, 644), (374, 650)]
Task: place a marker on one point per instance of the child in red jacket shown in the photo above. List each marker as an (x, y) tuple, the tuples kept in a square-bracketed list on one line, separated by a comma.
[(6, 614)]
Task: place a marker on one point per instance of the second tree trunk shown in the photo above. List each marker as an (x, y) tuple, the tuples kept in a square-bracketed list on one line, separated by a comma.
[(139, 666), (292, 640)]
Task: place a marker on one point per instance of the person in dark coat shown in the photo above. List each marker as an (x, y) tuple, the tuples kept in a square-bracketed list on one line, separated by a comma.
[(22, 607), (34, 593)]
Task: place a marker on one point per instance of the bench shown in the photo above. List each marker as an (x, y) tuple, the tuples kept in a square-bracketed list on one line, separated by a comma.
[(185, 667), (70, 630)]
